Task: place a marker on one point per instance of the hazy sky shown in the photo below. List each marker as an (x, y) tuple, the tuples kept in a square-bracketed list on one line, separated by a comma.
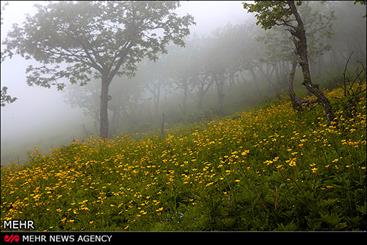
[(44, 110)]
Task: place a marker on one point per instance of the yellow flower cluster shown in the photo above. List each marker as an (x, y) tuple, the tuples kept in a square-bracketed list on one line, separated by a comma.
[(87, 184)]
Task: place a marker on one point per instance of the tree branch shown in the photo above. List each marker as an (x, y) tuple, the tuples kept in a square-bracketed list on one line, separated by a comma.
[(122, 55), (93, 61)]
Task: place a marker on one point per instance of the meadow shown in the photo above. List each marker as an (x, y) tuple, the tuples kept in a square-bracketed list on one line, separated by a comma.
[(264, 169)]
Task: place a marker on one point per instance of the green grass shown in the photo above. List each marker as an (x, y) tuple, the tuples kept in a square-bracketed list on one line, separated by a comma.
[(266, 169)]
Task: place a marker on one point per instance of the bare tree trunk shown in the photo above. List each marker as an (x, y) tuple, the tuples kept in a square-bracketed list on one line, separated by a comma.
[(268, 75), (301, 49), (203, 89), (255, 80), (103, 129), (220, 93)]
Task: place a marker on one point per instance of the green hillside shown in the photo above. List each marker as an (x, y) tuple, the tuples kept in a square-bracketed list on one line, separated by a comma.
[(265, 169)]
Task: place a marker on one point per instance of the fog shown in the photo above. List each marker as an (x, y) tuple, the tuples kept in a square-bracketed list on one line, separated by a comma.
[(224, 68)]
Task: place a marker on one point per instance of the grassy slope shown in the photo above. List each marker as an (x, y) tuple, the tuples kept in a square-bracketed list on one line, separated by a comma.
[(268, 169)]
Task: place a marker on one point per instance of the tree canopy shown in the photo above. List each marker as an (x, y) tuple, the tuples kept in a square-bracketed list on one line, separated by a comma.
[(78, 41), (94, 37)]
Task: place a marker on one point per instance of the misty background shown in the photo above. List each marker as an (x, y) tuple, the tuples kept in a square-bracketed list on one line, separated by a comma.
[(227, 66)]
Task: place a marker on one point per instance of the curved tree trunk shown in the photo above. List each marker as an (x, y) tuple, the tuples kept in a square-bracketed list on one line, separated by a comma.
[(300, 41)]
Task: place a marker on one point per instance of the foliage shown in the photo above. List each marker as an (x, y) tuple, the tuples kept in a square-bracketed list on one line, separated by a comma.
[(5, 97), (318, 20), (79, 41), (271, 13), (265, 169), (84, 39)]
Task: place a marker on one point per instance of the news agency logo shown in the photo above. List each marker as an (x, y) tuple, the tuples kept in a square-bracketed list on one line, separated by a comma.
[(11, 238), (21, 225), (18, 225)]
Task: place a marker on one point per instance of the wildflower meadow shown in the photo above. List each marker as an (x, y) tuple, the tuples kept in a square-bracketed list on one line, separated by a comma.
[(265, 169)]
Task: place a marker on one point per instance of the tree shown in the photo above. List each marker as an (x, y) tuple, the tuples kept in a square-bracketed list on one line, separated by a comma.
[(280, 51), (156, 76), (201, 79), (180, 67), (79, 41), (218, 59), (286, 14), (203, 83)]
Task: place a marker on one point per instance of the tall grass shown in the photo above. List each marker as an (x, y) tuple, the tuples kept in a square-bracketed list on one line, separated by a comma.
[(267, 169)]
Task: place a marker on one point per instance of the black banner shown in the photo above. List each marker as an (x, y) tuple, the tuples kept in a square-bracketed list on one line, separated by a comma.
[(134, 237)]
